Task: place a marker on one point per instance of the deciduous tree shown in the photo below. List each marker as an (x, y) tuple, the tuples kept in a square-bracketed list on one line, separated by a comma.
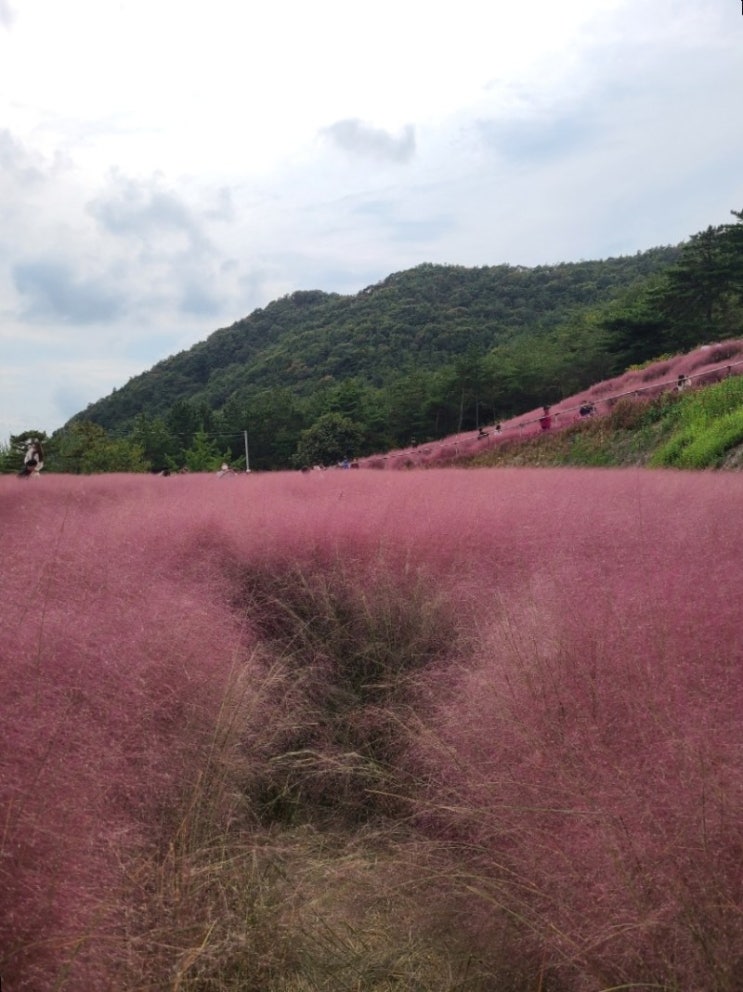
[(329, 440)]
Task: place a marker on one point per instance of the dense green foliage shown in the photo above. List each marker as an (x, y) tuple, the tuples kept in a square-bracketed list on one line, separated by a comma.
[(423, 354), (330, 439), (700, 298), (86, 448)]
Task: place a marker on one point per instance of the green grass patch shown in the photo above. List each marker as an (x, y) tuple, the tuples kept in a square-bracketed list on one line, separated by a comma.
[(708, 423), (695, 430)]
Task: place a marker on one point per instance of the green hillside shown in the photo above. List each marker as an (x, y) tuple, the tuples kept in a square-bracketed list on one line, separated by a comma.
[(425, 350), (424, 354), (420, 319)]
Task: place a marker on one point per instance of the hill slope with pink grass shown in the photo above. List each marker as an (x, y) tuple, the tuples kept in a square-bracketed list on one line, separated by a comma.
[(636, 398), (374, 730)]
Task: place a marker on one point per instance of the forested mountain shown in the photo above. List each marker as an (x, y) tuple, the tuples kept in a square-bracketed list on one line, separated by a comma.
[(423, 318), (426, 352)]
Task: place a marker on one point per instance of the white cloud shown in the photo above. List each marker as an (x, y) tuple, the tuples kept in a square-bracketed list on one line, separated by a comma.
[(166, 167)]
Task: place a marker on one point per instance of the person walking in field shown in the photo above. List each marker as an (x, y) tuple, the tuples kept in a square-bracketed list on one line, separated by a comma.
[(545, 421), (33, 460)]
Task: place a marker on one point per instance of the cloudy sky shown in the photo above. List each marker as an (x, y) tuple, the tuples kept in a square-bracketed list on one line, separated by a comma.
[(167, 166)]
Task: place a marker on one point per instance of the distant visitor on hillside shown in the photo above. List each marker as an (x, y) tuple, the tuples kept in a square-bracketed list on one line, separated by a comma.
[(587, 409), (545, 421), (225, 470), (482, 432), (683, 382), (33, 460)]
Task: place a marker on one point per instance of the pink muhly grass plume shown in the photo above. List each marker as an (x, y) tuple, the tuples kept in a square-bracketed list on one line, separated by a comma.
[(592, 746), (112, 655), (580, 755)]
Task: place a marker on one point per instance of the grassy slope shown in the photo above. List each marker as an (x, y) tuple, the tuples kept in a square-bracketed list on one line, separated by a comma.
[(640, 420), (699, 429), (436, 730)]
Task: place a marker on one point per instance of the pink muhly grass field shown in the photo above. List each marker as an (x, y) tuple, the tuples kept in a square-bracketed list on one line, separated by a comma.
[(584, 749)]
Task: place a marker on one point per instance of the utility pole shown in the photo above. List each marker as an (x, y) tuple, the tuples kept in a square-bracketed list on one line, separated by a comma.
[(247, 458)]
